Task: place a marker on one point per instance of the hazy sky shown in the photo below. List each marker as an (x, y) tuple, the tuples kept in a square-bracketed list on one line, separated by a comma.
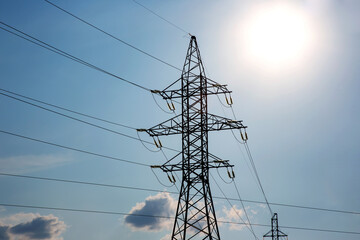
[(293, 67)]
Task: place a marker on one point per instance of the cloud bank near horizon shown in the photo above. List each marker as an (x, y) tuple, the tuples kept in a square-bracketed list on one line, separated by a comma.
[(31, 226)]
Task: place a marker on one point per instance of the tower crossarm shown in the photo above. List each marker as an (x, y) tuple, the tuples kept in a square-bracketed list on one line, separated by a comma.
[(273, 234), (214, 162), (174, 125), (169, 127), (216, 123), (179, 166), (213, 88)]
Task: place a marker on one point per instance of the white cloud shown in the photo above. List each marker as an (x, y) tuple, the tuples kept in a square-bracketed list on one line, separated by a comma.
[(161, 204), (18, 218), (31, 226), (31, 163), (166, 237), (262, 205), (235, 214)]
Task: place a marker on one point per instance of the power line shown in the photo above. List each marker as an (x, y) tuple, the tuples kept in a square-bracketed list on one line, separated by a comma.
[(158, 190), (47, 46), (223, 106), (232, 206), (112, 36), (253, 166), (82, 121), (163, 217), (156, 14), (257, 176), (80, 182), (311, 208), (68, 110), (242, 204), (73, 149), (81, 210), (70, 117)]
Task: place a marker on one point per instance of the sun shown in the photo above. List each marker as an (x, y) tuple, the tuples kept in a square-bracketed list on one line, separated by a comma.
[(276, 35)]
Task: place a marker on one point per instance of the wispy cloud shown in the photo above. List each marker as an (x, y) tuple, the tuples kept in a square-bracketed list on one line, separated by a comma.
[(161, 204), (31, 226), (166, 237), (31, 163), (235, 214)]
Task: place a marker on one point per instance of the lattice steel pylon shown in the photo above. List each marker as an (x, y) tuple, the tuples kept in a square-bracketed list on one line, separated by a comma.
[(275, 233), (195, 215)]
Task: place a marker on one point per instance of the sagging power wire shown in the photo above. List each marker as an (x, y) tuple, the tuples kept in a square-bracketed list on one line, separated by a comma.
[(243, 206), (232, 179), (67, 109), (160, 181), (49, 47), (142, 142), (171, 112), (232, 206)]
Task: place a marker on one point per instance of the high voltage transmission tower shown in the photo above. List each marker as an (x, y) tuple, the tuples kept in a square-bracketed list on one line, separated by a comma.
[(195, 215), (275, 233)]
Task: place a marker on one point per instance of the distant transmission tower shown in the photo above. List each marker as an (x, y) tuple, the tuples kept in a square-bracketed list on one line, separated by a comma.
[(275, 233), (195, 215)]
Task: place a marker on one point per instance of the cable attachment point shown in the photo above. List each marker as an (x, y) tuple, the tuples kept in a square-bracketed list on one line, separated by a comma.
[(229, 100), (157, 142), (231, 174), (218, 161), (171, 105), (171, 178), (155, 91), (155, 166), (244, 136)]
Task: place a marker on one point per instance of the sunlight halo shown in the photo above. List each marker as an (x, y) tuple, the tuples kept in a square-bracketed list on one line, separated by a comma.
[(276, 35)]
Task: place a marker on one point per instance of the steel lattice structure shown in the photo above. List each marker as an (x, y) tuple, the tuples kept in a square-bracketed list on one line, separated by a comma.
[(195, 215), (275, 233)]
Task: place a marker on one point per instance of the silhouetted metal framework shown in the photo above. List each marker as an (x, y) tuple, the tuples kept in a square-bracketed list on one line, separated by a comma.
[(275, 233), (195, 214)]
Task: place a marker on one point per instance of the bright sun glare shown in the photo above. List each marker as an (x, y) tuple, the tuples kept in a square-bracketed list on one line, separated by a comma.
[(277, 35)]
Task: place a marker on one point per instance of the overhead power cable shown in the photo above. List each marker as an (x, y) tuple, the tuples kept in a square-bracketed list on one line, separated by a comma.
[(132, 162), (223, 106), (112, 36), (242, 204), (47, 46), (79, 182), (253, 166), (73, 149), (248, 225), (66, 109), (82, 121), (158, 190), (156, 14), (258, 178), (164, 217)]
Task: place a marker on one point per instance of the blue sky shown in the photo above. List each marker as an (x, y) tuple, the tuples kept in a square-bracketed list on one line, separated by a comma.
[(302, 115)]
